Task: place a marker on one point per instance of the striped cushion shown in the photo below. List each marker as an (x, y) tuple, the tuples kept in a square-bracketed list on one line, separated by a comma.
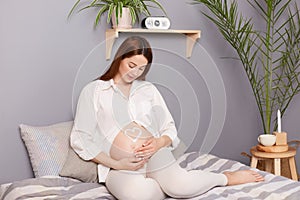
[(47, 146)]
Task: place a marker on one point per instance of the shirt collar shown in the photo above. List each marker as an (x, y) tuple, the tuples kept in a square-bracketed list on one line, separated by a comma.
[(104, 85), (110, 83)]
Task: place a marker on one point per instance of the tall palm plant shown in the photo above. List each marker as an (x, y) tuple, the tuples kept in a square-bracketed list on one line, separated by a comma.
[(270, 57)]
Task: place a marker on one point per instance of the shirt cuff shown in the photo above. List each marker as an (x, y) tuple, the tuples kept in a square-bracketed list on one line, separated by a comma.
[(102, 173), (175, 140)]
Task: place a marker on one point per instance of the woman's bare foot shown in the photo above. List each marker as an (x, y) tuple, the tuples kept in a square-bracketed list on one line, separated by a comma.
[(243, 176)]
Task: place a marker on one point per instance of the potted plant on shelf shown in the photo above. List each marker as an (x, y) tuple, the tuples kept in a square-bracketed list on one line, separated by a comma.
[(270, 57), (123, 13)]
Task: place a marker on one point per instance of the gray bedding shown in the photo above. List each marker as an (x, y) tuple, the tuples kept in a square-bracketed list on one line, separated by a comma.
[(274, 187)]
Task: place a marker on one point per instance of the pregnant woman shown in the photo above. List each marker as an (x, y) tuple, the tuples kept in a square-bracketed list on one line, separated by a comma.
[(123, 124)]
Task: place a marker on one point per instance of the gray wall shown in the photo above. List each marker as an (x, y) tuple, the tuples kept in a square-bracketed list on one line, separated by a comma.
[(42, 58)]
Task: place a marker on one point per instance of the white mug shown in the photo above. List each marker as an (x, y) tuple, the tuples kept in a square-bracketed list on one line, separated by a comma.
[(267, 139)]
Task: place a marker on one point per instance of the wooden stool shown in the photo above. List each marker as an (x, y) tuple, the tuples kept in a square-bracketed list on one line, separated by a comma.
[(267, 156)]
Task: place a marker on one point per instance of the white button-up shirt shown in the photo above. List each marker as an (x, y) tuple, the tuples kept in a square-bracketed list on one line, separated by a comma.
[(102, 111)]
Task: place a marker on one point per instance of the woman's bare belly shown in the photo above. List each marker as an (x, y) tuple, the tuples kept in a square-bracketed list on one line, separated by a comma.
[(127, 140)]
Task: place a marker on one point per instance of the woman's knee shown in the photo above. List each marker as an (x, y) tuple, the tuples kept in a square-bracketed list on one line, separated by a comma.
[(140, 192), (178, 190), (133, 187), (183, 185)]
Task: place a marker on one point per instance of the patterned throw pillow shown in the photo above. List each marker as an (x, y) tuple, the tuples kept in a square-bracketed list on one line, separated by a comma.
[(47, 146)]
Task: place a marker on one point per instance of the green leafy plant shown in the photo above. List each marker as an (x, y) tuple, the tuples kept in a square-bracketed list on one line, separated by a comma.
[(136, 8), (270, 57)]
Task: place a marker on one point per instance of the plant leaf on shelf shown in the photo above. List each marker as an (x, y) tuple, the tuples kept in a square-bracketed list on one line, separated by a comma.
[(136, 8)]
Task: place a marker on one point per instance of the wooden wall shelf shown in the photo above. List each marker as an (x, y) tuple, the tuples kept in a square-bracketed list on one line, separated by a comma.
[(191, 37)]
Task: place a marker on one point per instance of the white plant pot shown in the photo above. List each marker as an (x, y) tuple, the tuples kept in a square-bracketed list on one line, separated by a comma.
[(124, 22)]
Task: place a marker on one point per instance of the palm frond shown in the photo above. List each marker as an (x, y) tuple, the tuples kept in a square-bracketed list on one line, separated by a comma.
[(270, 57)]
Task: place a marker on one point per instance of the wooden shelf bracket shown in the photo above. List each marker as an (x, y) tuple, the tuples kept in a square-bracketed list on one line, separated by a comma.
[(191, 37)]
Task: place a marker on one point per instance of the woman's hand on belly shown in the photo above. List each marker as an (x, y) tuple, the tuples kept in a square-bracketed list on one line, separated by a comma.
[(130, 163), (151, 146)]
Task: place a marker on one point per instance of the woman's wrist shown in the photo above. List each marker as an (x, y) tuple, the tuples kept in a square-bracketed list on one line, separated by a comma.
[(164, 141), (114, 164)]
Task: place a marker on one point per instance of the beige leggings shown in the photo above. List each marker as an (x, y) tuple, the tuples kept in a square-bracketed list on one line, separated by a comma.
[(161, 176)]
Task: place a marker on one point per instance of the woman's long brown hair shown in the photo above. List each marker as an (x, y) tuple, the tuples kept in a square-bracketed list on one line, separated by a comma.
[(134, 45)]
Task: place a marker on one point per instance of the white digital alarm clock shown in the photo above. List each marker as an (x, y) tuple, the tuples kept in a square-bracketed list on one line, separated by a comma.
[(156, 23)]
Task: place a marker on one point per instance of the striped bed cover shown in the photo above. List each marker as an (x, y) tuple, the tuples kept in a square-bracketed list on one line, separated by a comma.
[(274, 187)]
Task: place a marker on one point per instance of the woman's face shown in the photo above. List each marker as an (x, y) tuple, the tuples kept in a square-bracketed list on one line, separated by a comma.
[(131, 68)]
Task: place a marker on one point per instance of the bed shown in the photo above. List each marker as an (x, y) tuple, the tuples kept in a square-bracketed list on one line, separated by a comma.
[(55, 187), (49, 152)]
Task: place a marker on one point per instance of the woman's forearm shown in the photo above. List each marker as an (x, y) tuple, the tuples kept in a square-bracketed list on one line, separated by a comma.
[(104, 159)]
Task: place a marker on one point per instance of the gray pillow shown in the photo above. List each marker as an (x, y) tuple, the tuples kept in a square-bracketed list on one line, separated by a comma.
[(76, 167), (47, 146)]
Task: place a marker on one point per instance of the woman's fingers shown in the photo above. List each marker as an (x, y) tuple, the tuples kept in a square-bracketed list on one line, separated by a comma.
[(138, 163), (144, 154), (135, 159), (147, 146), (131, 163), (147, 149), (148, 142)]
